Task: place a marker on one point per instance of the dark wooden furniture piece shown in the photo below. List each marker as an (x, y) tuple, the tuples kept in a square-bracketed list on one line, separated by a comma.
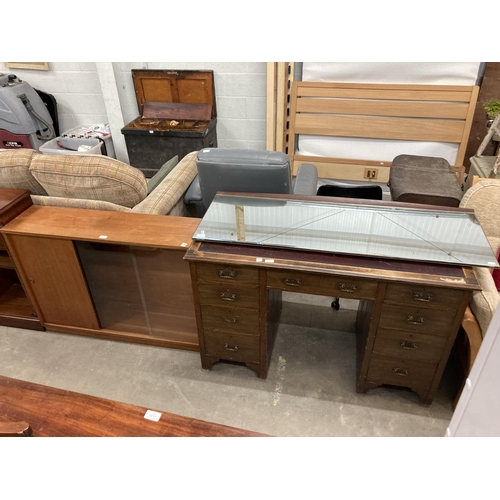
[(55, 412), (112, 275), (15, 307), (15, 429), (409, 312), (177, 115)]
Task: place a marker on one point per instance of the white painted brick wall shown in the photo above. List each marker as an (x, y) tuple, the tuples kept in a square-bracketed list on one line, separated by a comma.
[(240, 95)]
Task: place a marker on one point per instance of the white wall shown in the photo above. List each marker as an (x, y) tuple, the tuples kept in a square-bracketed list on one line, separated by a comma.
[(240, 90)]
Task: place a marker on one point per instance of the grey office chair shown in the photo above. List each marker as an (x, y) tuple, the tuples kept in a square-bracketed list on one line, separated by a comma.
[(246, 171)]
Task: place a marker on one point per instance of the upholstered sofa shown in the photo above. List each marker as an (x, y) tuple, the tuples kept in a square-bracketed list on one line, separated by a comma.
[(97, 182), (484, 199)]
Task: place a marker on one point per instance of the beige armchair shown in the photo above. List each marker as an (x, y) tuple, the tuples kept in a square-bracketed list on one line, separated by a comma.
[(484, 198)]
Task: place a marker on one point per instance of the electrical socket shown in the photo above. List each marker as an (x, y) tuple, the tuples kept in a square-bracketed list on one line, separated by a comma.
[(371, 173)]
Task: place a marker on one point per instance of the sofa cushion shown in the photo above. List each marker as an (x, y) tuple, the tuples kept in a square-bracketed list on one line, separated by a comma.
[(14, 170), (164, 170), (90, 177)]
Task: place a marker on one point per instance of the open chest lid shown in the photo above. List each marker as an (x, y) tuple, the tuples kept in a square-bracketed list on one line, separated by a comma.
[(175, 94)]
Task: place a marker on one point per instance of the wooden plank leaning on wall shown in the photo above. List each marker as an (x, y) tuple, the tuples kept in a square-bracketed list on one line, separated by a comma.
[(279, 89)]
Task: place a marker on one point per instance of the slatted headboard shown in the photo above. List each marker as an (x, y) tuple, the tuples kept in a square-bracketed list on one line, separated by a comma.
[(429, 113)]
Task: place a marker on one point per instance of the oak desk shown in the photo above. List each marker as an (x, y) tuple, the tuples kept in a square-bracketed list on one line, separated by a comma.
[(408, 317)]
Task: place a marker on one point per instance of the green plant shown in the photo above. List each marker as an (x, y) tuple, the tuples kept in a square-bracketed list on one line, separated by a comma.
[(492, 107)]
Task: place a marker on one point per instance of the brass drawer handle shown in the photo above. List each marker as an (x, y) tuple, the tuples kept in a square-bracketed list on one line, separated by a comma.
[(403, 372), (407, 344), (228, 319), (230, 296), (227, 274), (230, 347), (422, 296), (347, 287), (416, 320), (293, 281)]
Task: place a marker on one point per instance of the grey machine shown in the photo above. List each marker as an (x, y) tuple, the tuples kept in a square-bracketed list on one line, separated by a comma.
[(25, 121)]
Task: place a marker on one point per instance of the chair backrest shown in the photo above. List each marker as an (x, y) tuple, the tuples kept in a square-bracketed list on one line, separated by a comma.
[(366, 192), (242, 171)]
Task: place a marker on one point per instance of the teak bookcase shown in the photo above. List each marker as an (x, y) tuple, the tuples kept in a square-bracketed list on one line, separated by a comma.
[(107, 274)]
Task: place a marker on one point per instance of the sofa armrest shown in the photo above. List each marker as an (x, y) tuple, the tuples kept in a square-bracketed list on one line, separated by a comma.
[(306, 181), (171, 189), (484, 303), (193, 197), (59, 201)]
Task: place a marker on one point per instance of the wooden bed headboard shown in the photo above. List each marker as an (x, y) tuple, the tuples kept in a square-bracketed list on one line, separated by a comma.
[(431, 113)]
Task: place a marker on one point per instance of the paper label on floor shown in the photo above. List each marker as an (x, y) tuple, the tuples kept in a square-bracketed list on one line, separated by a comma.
[(152, 415)]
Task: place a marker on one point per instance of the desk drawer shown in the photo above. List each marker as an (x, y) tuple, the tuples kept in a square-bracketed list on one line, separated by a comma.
[(415, 319), (405, 373), (408, 345), (243, 348), (222, 273), (333, 286), (440, 298), (230, 319), (228, 294)]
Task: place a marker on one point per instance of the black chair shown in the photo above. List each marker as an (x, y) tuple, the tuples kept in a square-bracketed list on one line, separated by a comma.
[(363, 191)]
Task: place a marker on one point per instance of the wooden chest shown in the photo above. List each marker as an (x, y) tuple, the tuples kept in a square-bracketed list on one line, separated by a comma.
[(177, 115)]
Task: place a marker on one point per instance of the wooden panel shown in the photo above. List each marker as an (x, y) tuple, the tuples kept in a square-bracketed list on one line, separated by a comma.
[(223, 273), (55, 412), (177, 111), (383, 108), (229, 294), (230, 320), (232, 347), (52, 274), (12, 203), (415, 319), (114, 227), (452, 93), (322, 285), (380, 128), (186, 86), (333, 168), (440, 298), (408, 345), (396, 371)]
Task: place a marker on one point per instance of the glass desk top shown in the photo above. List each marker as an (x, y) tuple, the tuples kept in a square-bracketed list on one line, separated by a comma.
[(385, 231)]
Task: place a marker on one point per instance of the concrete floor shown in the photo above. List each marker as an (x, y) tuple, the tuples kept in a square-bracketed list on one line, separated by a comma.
[(310, 389)]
